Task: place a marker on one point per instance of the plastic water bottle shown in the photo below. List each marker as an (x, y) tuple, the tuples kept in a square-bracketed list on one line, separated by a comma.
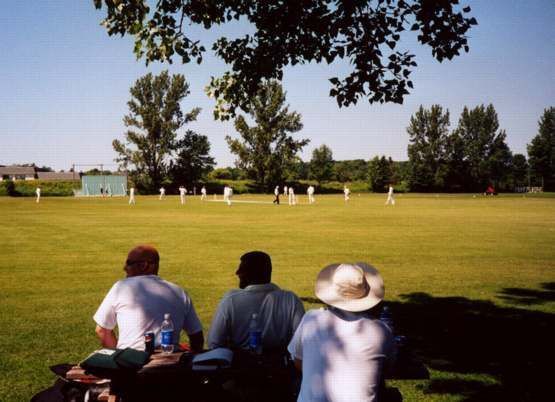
[(255, 335), (387, 318), (166, 332)]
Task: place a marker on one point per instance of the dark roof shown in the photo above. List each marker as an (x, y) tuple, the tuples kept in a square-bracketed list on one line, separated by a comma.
[(17, 170), (58, 176)]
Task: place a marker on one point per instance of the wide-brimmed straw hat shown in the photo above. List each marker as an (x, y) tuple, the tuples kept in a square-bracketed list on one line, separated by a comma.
[(350, 287)]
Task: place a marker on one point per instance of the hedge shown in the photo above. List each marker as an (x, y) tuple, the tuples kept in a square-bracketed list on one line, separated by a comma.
[(27, 188)]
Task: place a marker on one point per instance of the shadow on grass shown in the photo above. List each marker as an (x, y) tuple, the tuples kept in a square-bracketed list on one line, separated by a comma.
[(529, 297), (460, 335)]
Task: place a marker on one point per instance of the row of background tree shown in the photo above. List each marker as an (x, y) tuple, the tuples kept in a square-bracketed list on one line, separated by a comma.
[(468, 158)]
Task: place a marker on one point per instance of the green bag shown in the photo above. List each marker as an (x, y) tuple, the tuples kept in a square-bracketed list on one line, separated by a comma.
[(109, 362)]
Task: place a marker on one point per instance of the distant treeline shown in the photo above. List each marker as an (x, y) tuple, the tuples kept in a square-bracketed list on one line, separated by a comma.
[(27, 188), (469, 158)]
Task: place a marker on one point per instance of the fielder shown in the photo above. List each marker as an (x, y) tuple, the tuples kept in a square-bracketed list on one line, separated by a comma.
[(37, 191), (162, 193), (390, 198), (203, 193), (310, 193), (182, 192), (276, 193), (132, 196), (229, 195), (347, 192), (285, 191), (292, 200)]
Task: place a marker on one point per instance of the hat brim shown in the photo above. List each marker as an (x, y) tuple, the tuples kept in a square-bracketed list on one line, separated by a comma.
[(325, 289)]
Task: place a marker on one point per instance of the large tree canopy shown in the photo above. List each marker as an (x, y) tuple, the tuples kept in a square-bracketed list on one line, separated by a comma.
[(321, 164), (541, 150), (428, 132), (193, 160), (366, 33), (154, 118), (485, 151), (266, 150)]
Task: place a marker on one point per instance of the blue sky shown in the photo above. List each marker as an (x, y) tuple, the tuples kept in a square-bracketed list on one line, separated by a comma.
[(64, 85)]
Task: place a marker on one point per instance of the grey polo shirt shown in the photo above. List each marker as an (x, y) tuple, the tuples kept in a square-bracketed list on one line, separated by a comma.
[(280, 312)]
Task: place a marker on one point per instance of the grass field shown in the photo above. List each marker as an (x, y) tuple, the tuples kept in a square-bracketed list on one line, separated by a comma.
[(471, 281)]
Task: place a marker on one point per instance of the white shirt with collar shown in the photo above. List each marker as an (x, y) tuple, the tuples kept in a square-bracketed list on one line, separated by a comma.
[(137, 305), (280, 312)]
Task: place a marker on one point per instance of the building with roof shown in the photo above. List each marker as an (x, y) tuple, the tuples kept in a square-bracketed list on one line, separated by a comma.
[(17, 173), (52, 176)]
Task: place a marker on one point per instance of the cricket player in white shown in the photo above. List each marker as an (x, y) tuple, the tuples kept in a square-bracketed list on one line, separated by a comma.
[(229, 195), (182, 192), (310, 192), (291, 199), (347, 192), (285, 191), (390, 199), (203, 193), (132, 196), (276, 194), (226, 193), (37, 191), (162, 192)]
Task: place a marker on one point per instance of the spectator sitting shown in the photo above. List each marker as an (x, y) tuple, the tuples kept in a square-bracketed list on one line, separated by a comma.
[(279, 311), (342, 349), (138, 303)]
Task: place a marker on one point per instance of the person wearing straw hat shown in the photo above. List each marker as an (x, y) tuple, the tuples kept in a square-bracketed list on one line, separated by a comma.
[(342, 349)]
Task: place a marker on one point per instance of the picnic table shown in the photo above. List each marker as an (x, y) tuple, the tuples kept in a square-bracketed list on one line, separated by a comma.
[(171, 377), (168, 377)]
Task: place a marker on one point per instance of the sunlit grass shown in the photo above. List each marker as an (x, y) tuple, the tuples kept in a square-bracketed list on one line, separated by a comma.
[(59, 258)]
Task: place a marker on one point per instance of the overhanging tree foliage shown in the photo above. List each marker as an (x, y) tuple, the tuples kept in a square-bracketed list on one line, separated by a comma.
[(154, 118), (266, 149), (366, 33)]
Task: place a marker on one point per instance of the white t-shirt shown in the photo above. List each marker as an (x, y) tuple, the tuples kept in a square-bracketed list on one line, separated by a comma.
[(280, 312), (182, 190), (138, 304), (343, 356)]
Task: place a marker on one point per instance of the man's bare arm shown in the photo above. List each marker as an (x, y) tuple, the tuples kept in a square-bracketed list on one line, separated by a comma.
[(298, 364), (106, 336)]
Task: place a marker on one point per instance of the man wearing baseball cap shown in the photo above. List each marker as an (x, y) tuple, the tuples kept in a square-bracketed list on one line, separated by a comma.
[(342, 349)]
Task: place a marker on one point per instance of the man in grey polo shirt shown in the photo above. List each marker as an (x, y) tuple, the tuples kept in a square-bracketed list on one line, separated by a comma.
[(279, 311)]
